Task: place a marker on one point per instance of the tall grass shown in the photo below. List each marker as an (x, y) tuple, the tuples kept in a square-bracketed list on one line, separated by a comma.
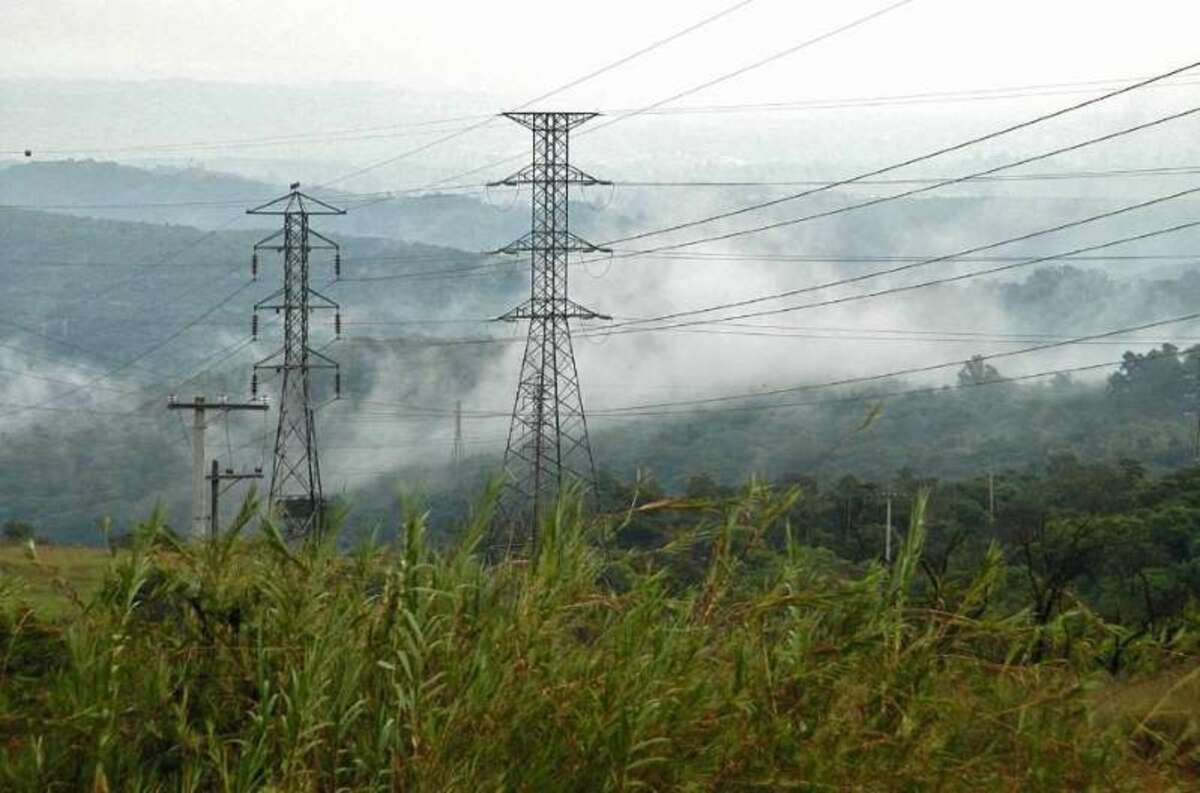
[(248, 664)]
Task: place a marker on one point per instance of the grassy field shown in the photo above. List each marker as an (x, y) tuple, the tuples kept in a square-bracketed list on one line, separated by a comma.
[(249, 664), (53, 579)]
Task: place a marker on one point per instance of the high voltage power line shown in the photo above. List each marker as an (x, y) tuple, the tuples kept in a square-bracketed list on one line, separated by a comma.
[(858, 380), (954, 257), (553, 92), (687, 92), (758, 64), (941, 152), (129, 362), (383, 131), (913, 369), (873, 201), (875, 397), (910, 287), (373, 197)]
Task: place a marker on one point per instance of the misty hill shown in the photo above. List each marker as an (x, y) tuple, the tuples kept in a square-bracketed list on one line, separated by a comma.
[(115, 284), (215, 200), (83, 296), (925, 224)]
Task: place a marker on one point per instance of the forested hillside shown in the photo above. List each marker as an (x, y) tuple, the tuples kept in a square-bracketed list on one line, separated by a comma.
[(157, 309)]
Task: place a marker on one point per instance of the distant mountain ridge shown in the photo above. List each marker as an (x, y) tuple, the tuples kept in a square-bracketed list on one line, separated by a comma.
[(212, 199)]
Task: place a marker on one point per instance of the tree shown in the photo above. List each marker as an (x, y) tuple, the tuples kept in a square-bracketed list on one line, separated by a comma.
[(15, 530), (978, 371), (1157, 382)]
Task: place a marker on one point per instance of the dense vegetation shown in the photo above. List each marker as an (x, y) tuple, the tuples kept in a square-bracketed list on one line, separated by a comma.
[(727, 652)]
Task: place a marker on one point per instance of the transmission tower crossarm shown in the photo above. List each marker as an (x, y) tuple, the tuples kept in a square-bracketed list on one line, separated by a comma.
[(544, 240), (329, 245), (264, 243), (540, 173), (296, 202), (566, 309), (540, 120)]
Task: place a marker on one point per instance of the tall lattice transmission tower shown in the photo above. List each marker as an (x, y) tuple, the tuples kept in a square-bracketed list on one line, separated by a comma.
[(295, 491), (548, 437)]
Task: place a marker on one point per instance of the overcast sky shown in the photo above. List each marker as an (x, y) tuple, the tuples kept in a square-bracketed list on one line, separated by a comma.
[(519, 48), (415, 61)]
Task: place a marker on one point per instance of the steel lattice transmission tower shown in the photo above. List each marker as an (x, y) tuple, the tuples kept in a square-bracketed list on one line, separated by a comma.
[(296, 475), (548, 437)]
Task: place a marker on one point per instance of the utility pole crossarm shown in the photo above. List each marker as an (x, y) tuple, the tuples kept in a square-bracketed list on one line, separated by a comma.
[(215, 479), (200, 403), (200, 406)]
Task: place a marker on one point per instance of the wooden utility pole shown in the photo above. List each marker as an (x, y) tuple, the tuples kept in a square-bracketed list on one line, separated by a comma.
[(201, 519), (215, 479)]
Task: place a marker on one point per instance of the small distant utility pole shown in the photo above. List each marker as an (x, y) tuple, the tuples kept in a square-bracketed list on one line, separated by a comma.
[(201, 521), (215, 479), (456, 451), (1196, 394), (991, 497), (887, 546)]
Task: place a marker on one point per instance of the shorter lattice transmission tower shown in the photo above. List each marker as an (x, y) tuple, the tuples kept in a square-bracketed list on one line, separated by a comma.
[(548, 443), (295, 491)]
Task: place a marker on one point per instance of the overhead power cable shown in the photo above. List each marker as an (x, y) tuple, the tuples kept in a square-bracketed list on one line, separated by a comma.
[(907, 193), (925, 98), (688, 92), (554, 92), (956, 256), (1033, 177), (834, 103), (845, 28), (875, 397), (904, 288), (421, 412), (375, 197), (331, 136), (907, 371), (129, 362), (918, 159)]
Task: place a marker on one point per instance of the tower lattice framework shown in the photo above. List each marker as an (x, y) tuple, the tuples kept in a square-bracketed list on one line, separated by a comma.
[(295, 492), (548, 442)]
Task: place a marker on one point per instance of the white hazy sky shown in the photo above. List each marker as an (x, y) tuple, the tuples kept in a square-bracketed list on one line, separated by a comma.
[(384, 63), (517, 48)]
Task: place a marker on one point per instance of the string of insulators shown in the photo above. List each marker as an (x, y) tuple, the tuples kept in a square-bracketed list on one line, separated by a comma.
[(337, 324), (337, 265), (337, 384), (254, 267), (254, 327), (254, 384)]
